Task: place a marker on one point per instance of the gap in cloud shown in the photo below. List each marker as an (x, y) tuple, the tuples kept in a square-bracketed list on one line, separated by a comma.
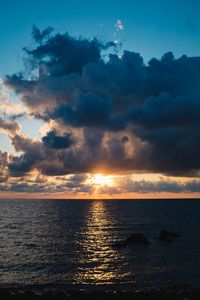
[(31, 127), (5, 144)]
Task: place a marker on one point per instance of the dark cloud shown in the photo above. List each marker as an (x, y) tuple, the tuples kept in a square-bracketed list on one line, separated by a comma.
[(62, 54), (91, 111), (130, 116), (32, 153), (49, 160), (51, 140), (39, 35)]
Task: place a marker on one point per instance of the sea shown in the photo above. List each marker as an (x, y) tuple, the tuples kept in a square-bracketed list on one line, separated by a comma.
[(68, 244)]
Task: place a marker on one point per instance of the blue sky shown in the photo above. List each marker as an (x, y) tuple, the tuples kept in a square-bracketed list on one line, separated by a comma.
[(151, 27)]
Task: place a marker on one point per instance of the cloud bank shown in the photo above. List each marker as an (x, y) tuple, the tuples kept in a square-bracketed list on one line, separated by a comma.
[(106, 113)]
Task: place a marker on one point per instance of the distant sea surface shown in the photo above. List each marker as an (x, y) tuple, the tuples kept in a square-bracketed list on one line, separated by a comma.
[(68, 244)]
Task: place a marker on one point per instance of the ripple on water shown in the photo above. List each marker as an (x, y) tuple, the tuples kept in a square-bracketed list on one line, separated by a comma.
[(70, 243)]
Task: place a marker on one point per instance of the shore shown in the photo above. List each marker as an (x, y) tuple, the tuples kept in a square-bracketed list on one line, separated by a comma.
[(158, 294)]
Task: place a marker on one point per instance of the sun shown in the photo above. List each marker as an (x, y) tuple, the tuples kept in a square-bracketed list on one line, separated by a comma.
[(102, 180)]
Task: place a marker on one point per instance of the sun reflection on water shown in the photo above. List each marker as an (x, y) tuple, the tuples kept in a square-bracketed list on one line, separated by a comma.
[(99, 263)]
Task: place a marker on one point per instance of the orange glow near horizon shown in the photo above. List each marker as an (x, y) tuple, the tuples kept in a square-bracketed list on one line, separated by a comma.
[(93, 196), (102, 186)]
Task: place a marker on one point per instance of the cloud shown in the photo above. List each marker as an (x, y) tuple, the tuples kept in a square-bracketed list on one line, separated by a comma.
[(4, 160), (51, 140), (79, 184), (166, 186), (11, 127), (91, 111), (72, 185), (121, 114), (39, 35), (119, 25)]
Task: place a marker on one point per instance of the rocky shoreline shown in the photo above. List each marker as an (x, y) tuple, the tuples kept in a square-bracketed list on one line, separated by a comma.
[(157, 294)]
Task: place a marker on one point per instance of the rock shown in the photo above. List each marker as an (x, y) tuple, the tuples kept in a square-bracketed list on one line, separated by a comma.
[(168, 236), (134, 239)]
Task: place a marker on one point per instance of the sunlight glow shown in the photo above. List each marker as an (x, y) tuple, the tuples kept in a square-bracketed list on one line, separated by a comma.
[(102, 180)]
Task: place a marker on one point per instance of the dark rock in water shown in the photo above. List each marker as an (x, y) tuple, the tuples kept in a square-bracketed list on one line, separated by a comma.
[(134, 239), (168, 236)]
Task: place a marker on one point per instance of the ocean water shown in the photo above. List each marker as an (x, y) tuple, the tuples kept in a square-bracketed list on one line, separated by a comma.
[(68, 244)]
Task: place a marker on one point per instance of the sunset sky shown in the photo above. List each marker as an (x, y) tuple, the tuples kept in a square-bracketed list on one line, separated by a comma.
[(100, 99)]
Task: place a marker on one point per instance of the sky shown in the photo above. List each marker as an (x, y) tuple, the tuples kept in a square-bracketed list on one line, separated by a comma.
[(99, 99)]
